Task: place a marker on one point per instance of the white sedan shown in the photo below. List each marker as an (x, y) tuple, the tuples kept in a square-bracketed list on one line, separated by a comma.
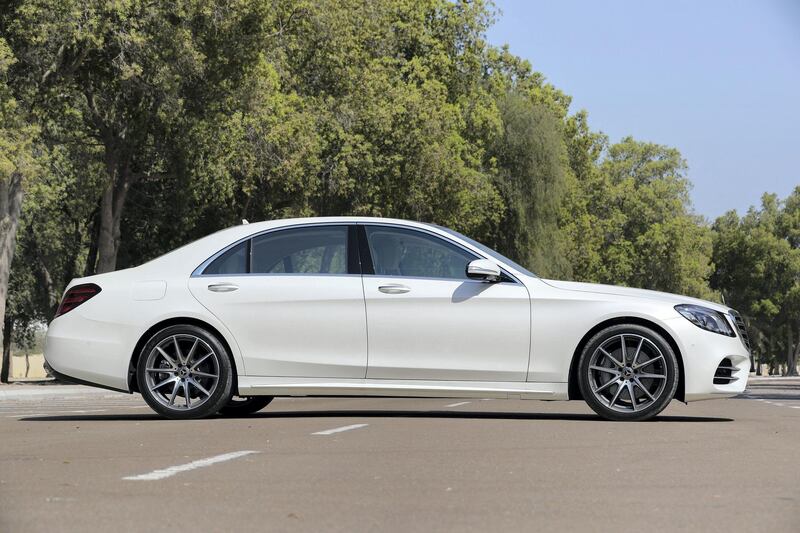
[(379, 307)]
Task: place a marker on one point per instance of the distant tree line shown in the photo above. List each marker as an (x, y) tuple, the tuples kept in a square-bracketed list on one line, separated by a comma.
[(128, 128)]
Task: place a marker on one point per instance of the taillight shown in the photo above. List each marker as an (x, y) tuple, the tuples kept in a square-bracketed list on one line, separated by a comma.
[(75, 296)]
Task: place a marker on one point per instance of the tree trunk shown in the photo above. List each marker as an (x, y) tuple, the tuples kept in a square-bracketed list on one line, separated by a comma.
[(10, 207), (8, 330), (111, 206), (94, 236), (791, 362)]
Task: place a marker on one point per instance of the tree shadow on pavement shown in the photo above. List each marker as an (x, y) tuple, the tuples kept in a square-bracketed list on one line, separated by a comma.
[(483, 415)]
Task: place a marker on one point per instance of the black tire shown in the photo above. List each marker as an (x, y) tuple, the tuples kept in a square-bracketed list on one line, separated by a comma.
[(607, 382), (178, 342), (245, 405)]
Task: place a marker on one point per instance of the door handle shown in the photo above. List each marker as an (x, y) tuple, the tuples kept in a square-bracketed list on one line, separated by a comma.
[(222, 287), (394, 289)]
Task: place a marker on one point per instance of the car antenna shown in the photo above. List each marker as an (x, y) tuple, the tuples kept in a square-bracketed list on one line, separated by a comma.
[(244, 221)]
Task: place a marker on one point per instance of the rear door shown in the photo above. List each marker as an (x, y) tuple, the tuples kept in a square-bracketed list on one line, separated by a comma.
[(293, 300)]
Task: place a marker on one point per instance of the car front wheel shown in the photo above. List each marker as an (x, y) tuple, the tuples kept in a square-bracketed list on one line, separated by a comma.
[(628, 372), (185, 372)]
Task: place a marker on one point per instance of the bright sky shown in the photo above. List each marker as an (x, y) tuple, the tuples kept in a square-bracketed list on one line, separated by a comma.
[(718, 79)]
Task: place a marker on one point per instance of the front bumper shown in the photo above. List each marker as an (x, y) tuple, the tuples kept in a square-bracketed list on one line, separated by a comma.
[(702, 353)]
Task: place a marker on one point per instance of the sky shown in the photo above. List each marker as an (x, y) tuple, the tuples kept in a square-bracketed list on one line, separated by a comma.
[(719, 80)]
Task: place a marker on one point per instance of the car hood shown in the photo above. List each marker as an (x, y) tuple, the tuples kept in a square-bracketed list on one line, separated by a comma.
[(614, 290)]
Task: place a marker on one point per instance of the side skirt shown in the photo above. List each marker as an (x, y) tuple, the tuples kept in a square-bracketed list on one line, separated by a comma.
[(282, 386)]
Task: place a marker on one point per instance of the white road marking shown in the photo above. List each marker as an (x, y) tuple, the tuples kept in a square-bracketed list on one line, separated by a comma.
[(457, 404), (79, 411), (200, 463), (339, 430)]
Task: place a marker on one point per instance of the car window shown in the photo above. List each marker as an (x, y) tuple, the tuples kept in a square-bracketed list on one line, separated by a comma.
[(488, 251), (409, 253), (232, 261), (309, 250)]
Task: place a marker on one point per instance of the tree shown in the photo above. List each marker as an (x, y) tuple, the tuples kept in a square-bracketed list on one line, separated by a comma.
[(18, 165), (630, 221), (530, 157), (758, 272), (130, 77)]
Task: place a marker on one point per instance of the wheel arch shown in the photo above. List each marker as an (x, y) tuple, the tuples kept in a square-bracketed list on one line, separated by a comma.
[(574, 390), (133, 385)]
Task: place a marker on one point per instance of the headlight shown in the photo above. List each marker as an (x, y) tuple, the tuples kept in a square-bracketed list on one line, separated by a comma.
[(706, 318)]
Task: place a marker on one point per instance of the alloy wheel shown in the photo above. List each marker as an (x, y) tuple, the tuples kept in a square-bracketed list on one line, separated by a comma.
[(182, 372), (627, 373)]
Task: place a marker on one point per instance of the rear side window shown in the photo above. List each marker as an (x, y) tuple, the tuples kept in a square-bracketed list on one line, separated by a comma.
[(233, 261), (310, 250)]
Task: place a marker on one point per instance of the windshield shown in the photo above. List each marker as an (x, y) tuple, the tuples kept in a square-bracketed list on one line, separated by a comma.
[(485, 249)]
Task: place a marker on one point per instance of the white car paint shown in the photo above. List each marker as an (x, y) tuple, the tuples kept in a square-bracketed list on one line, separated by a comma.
[(342, 335)]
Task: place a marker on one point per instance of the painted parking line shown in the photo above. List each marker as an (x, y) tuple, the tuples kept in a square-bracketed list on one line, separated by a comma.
[(155, 475), (777, 404), (78, 411), (457, 404), (339, 430)]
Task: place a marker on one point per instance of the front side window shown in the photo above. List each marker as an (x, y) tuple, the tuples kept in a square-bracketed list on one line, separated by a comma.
[(310, 250), (409, 253)]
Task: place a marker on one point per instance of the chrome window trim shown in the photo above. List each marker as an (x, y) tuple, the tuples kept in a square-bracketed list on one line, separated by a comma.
[(476, 254), (198, 272)]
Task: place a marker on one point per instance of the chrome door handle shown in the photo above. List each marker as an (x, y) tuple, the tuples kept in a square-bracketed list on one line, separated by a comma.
[(394, 289), (222, 287)]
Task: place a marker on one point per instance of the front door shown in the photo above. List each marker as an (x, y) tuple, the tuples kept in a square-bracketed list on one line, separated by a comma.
[(292, 301), (428, 321)]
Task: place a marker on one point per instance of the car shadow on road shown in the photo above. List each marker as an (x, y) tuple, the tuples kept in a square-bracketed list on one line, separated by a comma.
[(482, 415)]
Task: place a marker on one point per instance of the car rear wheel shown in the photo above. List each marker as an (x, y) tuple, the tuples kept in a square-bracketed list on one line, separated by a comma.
[(245, 405), (628, 372), (185, 372)]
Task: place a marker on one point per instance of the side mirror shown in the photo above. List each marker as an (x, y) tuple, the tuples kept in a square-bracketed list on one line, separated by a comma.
[(483, 269)]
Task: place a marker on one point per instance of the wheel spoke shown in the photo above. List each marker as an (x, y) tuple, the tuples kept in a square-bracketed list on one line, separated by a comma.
[(159, 370), (604, 369), (611, 357), (161, 384), (206, 356), (174, 392), (652, 376), (192, 350), (624, 350), (616, 395), (636, 355), (169, 359), (205, 374), (639, 384), (649, 361), (606, 385), (178, 350), (199, 387), (187, 394), (633, 395)]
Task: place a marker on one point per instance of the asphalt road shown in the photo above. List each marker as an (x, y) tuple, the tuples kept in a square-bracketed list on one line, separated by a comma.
[(76, 459)]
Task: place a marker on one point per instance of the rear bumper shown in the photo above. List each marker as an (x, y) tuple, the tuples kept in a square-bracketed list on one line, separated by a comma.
[(88, 352), (69, 379)]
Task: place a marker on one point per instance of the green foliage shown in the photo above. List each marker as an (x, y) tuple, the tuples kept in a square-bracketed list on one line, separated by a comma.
[(758, 272), (631, 222)]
